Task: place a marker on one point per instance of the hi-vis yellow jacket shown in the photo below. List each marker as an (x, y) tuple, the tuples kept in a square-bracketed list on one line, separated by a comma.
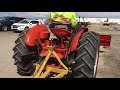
[(63, 17)]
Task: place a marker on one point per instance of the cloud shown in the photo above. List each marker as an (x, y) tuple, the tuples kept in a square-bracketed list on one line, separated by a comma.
[(32, 14), (26, 14), (99, 14), (46, 14), (35, 14)]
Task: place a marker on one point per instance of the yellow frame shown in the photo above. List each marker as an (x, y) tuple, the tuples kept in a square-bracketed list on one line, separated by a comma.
[(48, 69)]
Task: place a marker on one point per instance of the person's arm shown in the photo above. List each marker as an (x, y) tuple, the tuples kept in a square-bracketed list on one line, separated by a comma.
[(73, 19)]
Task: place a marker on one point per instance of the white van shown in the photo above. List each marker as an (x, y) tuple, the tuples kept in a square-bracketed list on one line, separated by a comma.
[(24, 25)]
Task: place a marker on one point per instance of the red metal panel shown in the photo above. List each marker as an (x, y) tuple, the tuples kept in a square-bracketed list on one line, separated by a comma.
[(44, 35), (34, 33), (105, 40), (75, 41), (61, 32)]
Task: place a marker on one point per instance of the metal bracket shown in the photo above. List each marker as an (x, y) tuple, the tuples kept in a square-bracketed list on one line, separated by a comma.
[(40, 68)]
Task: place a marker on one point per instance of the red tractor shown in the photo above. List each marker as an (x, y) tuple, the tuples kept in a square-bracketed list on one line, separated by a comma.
[(67, 56)]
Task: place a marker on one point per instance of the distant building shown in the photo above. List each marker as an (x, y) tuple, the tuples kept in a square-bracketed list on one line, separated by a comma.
[(99, 20)]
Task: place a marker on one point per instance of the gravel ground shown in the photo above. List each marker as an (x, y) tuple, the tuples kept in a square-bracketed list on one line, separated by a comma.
[(109, 61)]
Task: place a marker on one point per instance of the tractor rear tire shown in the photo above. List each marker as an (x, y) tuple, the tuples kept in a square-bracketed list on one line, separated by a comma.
[(84, 61), (25, 66)]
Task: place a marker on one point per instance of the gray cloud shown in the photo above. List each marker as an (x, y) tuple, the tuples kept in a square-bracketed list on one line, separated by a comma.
[(99, 14), (46, 14), (26, 14)]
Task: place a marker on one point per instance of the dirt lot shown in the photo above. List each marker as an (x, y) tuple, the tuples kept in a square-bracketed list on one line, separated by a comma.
[(109, 61)]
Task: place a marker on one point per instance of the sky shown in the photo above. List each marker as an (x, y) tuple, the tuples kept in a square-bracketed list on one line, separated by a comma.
[(35, 15)]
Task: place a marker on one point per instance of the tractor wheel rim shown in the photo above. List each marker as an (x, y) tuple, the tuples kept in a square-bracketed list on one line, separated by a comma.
[(96, 64)]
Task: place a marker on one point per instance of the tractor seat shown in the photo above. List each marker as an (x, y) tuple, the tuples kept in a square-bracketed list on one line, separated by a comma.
[(60, 32)]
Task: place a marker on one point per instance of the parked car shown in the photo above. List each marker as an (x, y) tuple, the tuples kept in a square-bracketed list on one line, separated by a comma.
[(24, 25), (41, 20), (7, 21)]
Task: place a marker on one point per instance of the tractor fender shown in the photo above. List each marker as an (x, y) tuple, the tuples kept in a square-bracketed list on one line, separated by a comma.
[(75, 40), (34, 33)]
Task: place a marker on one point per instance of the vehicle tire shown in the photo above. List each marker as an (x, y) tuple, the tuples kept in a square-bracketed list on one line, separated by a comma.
[(84, 61), (5, 28), (25, 64)]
